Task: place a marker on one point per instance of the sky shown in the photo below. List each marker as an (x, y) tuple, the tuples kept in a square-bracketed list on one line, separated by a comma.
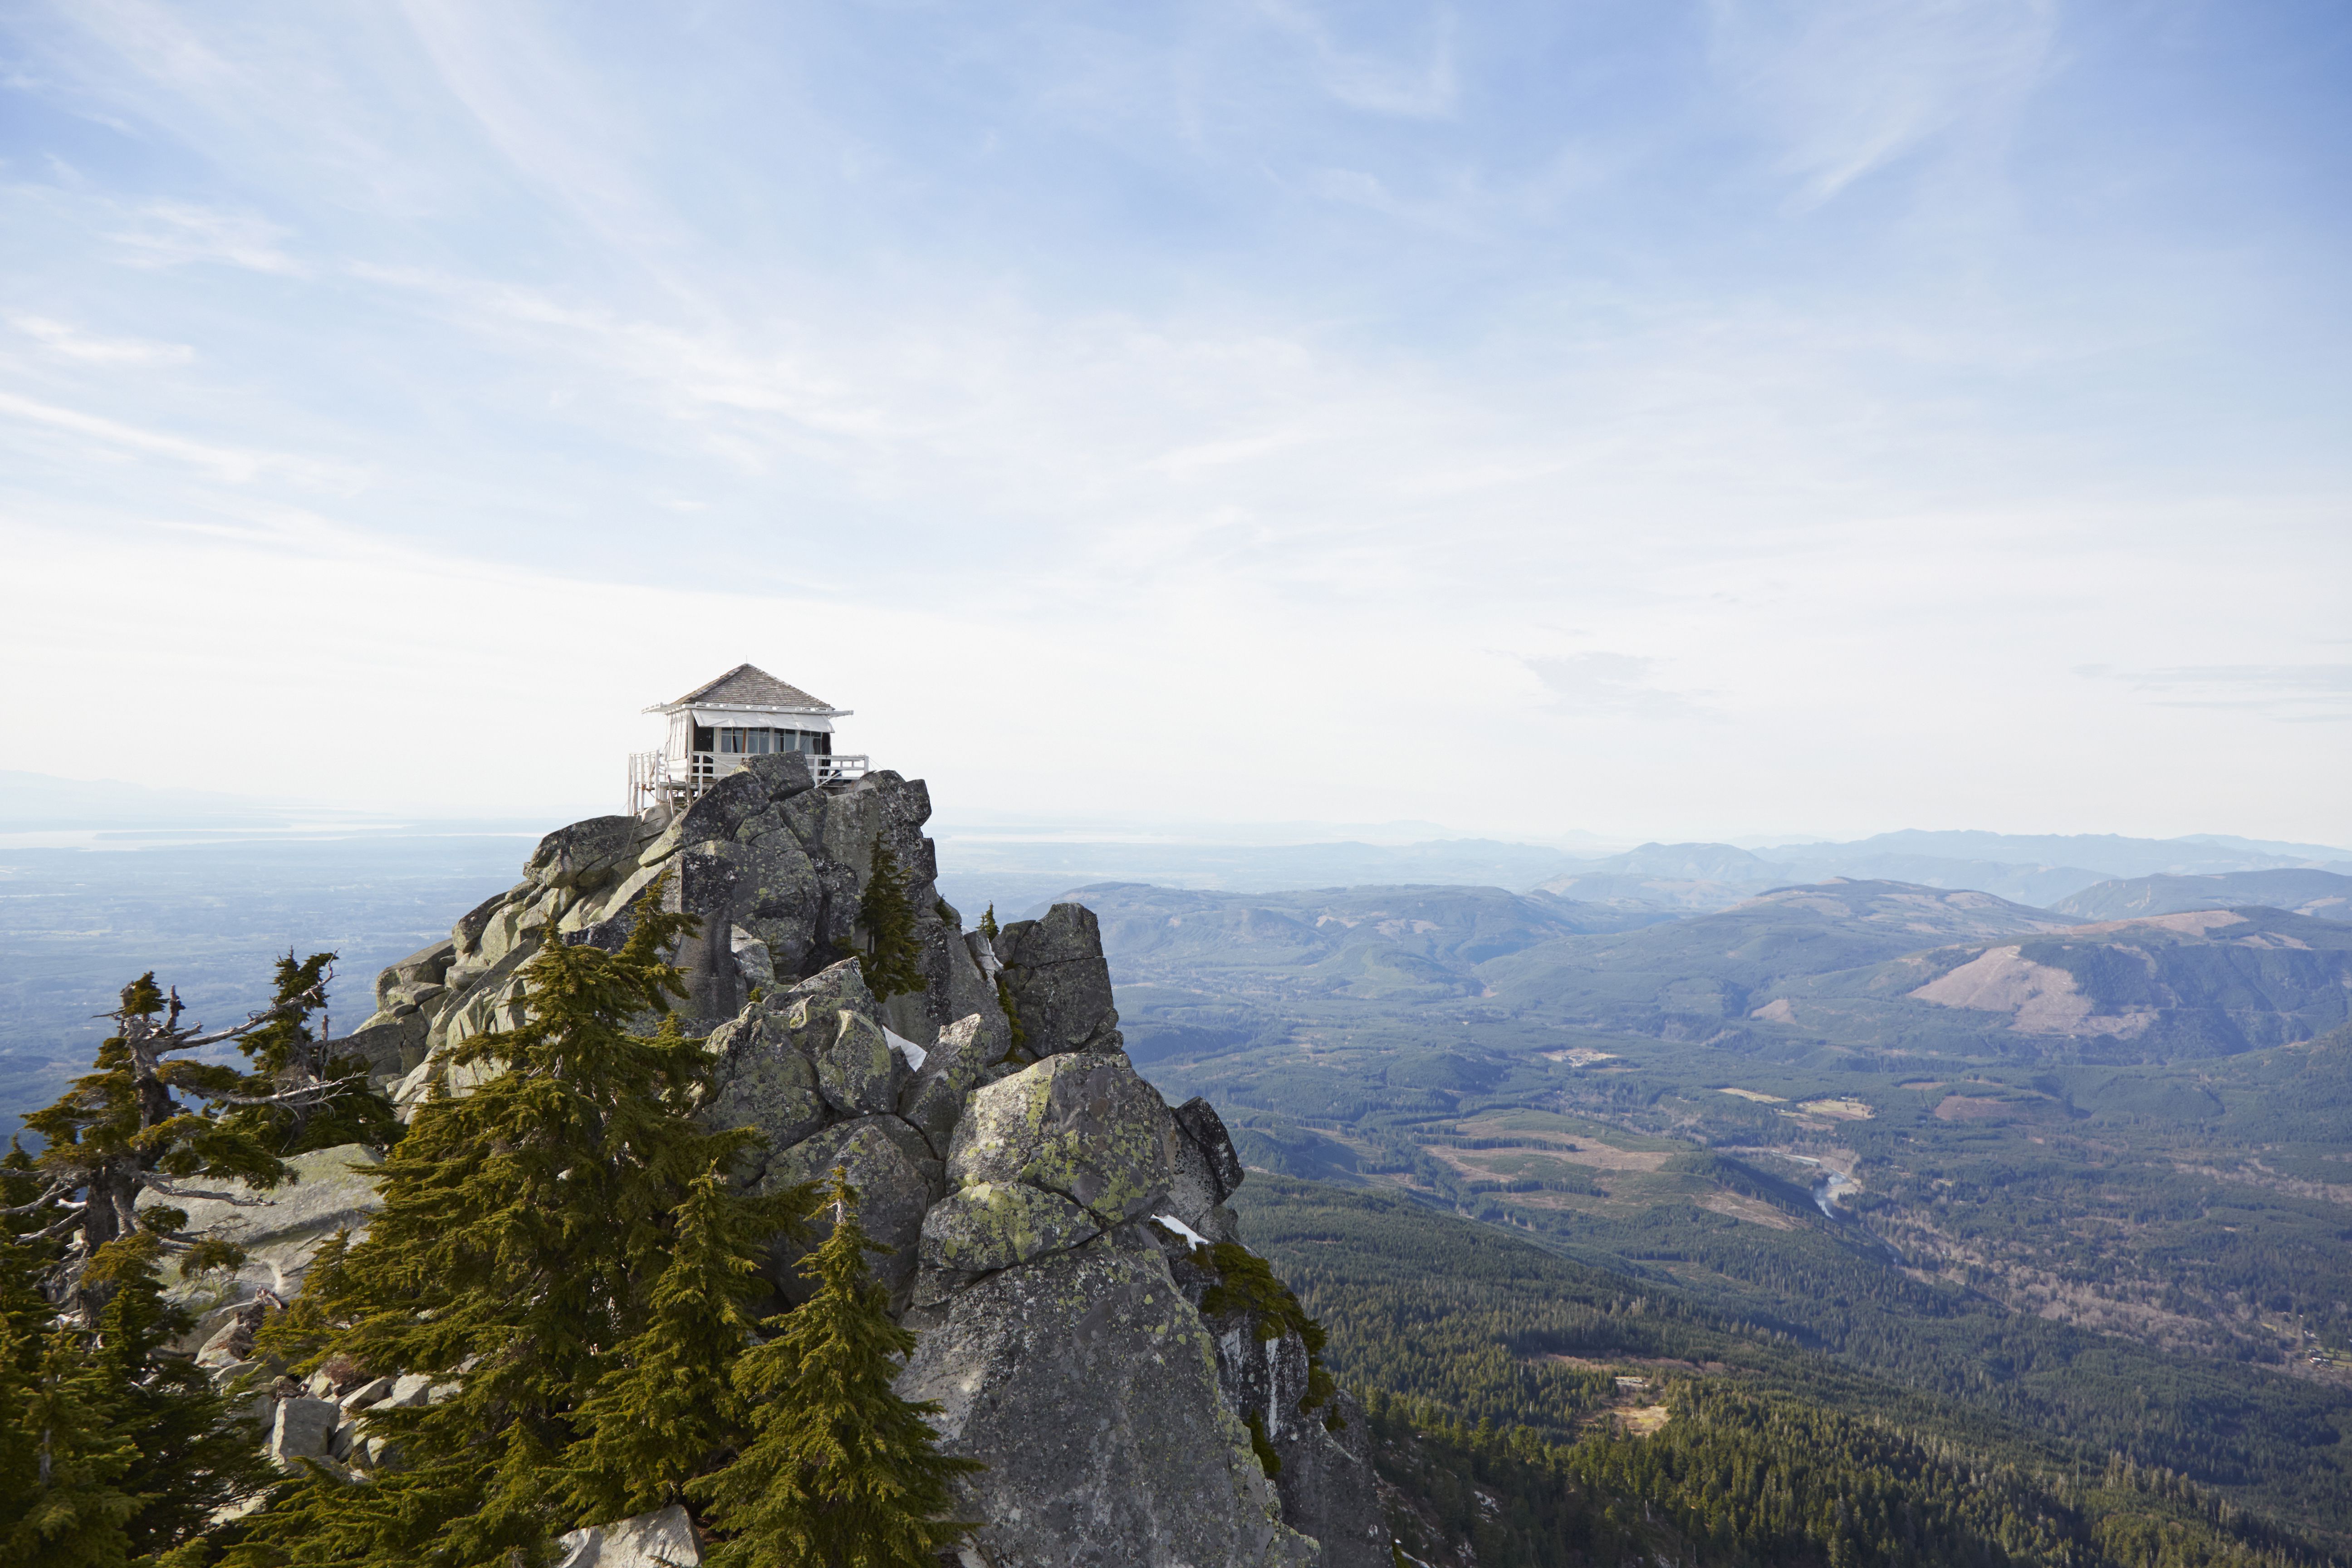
[(1662, 420)]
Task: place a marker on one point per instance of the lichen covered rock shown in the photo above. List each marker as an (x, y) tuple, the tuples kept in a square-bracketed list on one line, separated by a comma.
[(857, 1070), (762, 1080), (991, 1225), (1084, 1126)]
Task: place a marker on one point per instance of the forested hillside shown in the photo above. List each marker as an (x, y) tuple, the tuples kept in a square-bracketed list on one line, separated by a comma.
[(2058, 1192), (1532, 1409)]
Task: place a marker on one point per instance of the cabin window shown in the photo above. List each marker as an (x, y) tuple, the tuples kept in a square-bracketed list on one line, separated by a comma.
[(743, 742)]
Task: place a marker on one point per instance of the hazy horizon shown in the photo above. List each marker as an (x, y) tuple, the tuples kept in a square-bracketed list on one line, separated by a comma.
[(122, 816)]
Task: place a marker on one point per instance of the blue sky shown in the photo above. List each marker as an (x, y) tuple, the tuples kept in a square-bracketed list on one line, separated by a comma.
[(1665, 420)]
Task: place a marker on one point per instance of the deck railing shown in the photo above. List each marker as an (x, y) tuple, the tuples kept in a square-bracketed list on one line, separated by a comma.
[(655, 776)]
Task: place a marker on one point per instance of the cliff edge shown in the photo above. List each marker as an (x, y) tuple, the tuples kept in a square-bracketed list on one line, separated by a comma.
[(1139, 1387)]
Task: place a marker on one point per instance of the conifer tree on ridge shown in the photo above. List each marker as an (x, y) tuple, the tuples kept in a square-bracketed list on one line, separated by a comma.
[(844, 1473), (890, 965), (121, 1131), (523, 1258), (341, 1106)]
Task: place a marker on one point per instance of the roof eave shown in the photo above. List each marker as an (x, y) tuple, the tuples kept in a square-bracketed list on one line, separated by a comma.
[(748, 708)]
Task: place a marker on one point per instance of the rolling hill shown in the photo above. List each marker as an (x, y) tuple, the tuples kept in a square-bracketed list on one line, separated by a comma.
[(2170, 987), (1362, 942), (1686, 980), (2324, 895)]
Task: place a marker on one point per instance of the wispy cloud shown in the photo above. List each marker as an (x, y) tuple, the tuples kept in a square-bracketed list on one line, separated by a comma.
[(1619, 683), (67, 342), (235, 464), (172, 233), (2292, 693), (1416, 80), (1848, 87)]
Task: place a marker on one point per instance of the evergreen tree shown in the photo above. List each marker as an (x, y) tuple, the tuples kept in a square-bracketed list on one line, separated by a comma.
[(62, 1462), (1018, 1050), (844, 1473), (304, 1096), (524, 1254), (663, 1415), (24, 1261), (124, 1131), (110, 1448), (191, 1455), (891, 962), (988, 923)]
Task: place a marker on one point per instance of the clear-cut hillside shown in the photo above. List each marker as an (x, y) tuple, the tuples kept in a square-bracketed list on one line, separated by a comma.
[(1692, 978)]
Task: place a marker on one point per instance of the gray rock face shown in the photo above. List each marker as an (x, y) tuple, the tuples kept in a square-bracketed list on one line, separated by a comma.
[(662, 1539), (1326, 1485), (1331, 1491), (585, 856), (892, 1191), (752, 960), (1088, 1387), (772, 866), (302, 1429), (1085, 1127), (1060, 982), (1325, 1479), (932, 1102), (283, 1228), (409, 1391), (1208, 1172), (1205, 1136)]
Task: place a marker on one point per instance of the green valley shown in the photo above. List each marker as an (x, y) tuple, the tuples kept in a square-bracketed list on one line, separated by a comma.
[(2076, 1193)]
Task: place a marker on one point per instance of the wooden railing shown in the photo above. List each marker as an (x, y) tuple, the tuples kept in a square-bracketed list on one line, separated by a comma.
[(655, 774)]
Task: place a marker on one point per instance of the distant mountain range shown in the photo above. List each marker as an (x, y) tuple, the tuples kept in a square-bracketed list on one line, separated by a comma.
[(2107, 853), (2044, 871), (1420, 943), (1850, 965)]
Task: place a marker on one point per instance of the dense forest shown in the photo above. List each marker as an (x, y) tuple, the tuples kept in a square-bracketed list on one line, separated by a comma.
[(1542, 1410)]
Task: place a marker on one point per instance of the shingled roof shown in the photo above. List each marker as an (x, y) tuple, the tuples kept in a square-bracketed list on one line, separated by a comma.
[(746, 687)]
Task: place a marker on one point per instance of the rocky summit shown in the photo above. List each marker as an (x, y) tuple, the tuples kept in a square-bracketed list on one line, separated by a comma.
[(1139, 1388)]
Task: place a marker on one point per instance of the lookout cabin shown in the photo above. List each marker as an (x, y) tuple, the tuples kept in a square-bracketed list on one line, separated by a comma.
[(746, 712)]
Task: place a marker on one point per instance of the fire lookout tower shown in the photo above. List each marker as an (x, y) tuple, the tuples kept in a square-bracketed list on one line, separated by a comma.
[(746, 712)]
